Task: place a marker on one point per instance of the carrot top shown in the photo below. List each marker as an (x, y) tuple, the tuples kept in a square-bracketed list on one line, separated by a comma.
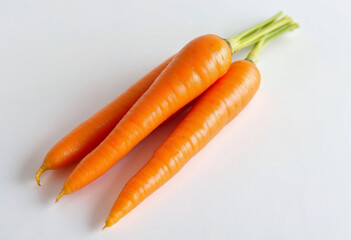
[(257, 48), (257, 32)]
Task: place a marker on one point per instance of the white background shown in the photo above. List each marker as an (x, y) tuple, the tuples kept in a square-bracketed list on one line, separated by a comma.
[(280, 170)]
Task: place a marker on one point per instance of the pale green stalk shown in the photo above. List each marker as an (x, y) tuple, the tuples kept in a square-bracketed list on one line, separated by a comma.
[(253, 55)]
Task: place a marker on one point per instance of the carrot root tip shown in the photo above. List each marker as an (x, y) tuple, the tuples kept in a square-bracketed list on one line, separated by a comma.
[(107, 224), (37, 176), (62, 193)]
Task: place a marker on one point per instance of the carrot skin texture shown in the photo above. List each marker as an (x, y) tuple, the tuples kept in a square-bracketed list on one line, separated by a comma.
[(213, 110), (89, 134), (196, 67)]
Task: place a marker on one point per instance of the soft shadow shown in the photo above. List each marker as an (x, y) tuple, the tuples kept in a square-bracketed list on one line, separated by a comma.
[(128, 166)]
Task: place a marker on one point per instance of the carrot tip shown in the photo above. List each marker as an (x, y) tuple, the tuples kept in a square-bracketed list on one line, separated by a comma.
[(40, 171), (107, 224), (60, 195)]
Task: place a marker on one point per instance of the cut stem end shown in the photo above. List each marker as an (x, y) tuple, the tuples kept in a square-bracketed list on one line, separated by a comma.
[(233, 41), (258, 35), (253, 55)]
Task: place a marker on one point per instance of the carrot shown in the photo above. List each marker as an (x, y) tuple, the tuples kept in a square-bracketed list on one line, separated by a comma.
[(196, 67), (213, 110), (89, 134)]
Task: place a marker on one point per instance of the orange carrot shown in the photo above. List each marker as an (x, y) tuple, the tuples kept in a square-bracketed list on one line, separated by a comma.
[(89, 134), (219, 104), (196, 67), (212, 111)]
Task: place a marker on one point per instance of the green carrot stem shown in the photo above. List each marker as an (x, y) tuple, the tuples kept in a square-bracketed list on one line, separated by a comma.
[(255, 33), (253, 55), (257, 36), (253, 29)]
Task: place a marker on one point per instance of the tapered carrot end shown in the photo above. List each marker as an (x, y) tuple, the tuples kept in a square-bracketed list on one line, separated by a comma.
[(62, 193), (40, 171), (108, 223)]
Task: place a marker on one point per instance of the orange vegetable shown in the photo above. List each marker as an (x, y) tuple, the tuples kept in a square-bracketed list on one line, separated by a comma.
[(196, 67), (220, 104), (211, 112), (89, 134)]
